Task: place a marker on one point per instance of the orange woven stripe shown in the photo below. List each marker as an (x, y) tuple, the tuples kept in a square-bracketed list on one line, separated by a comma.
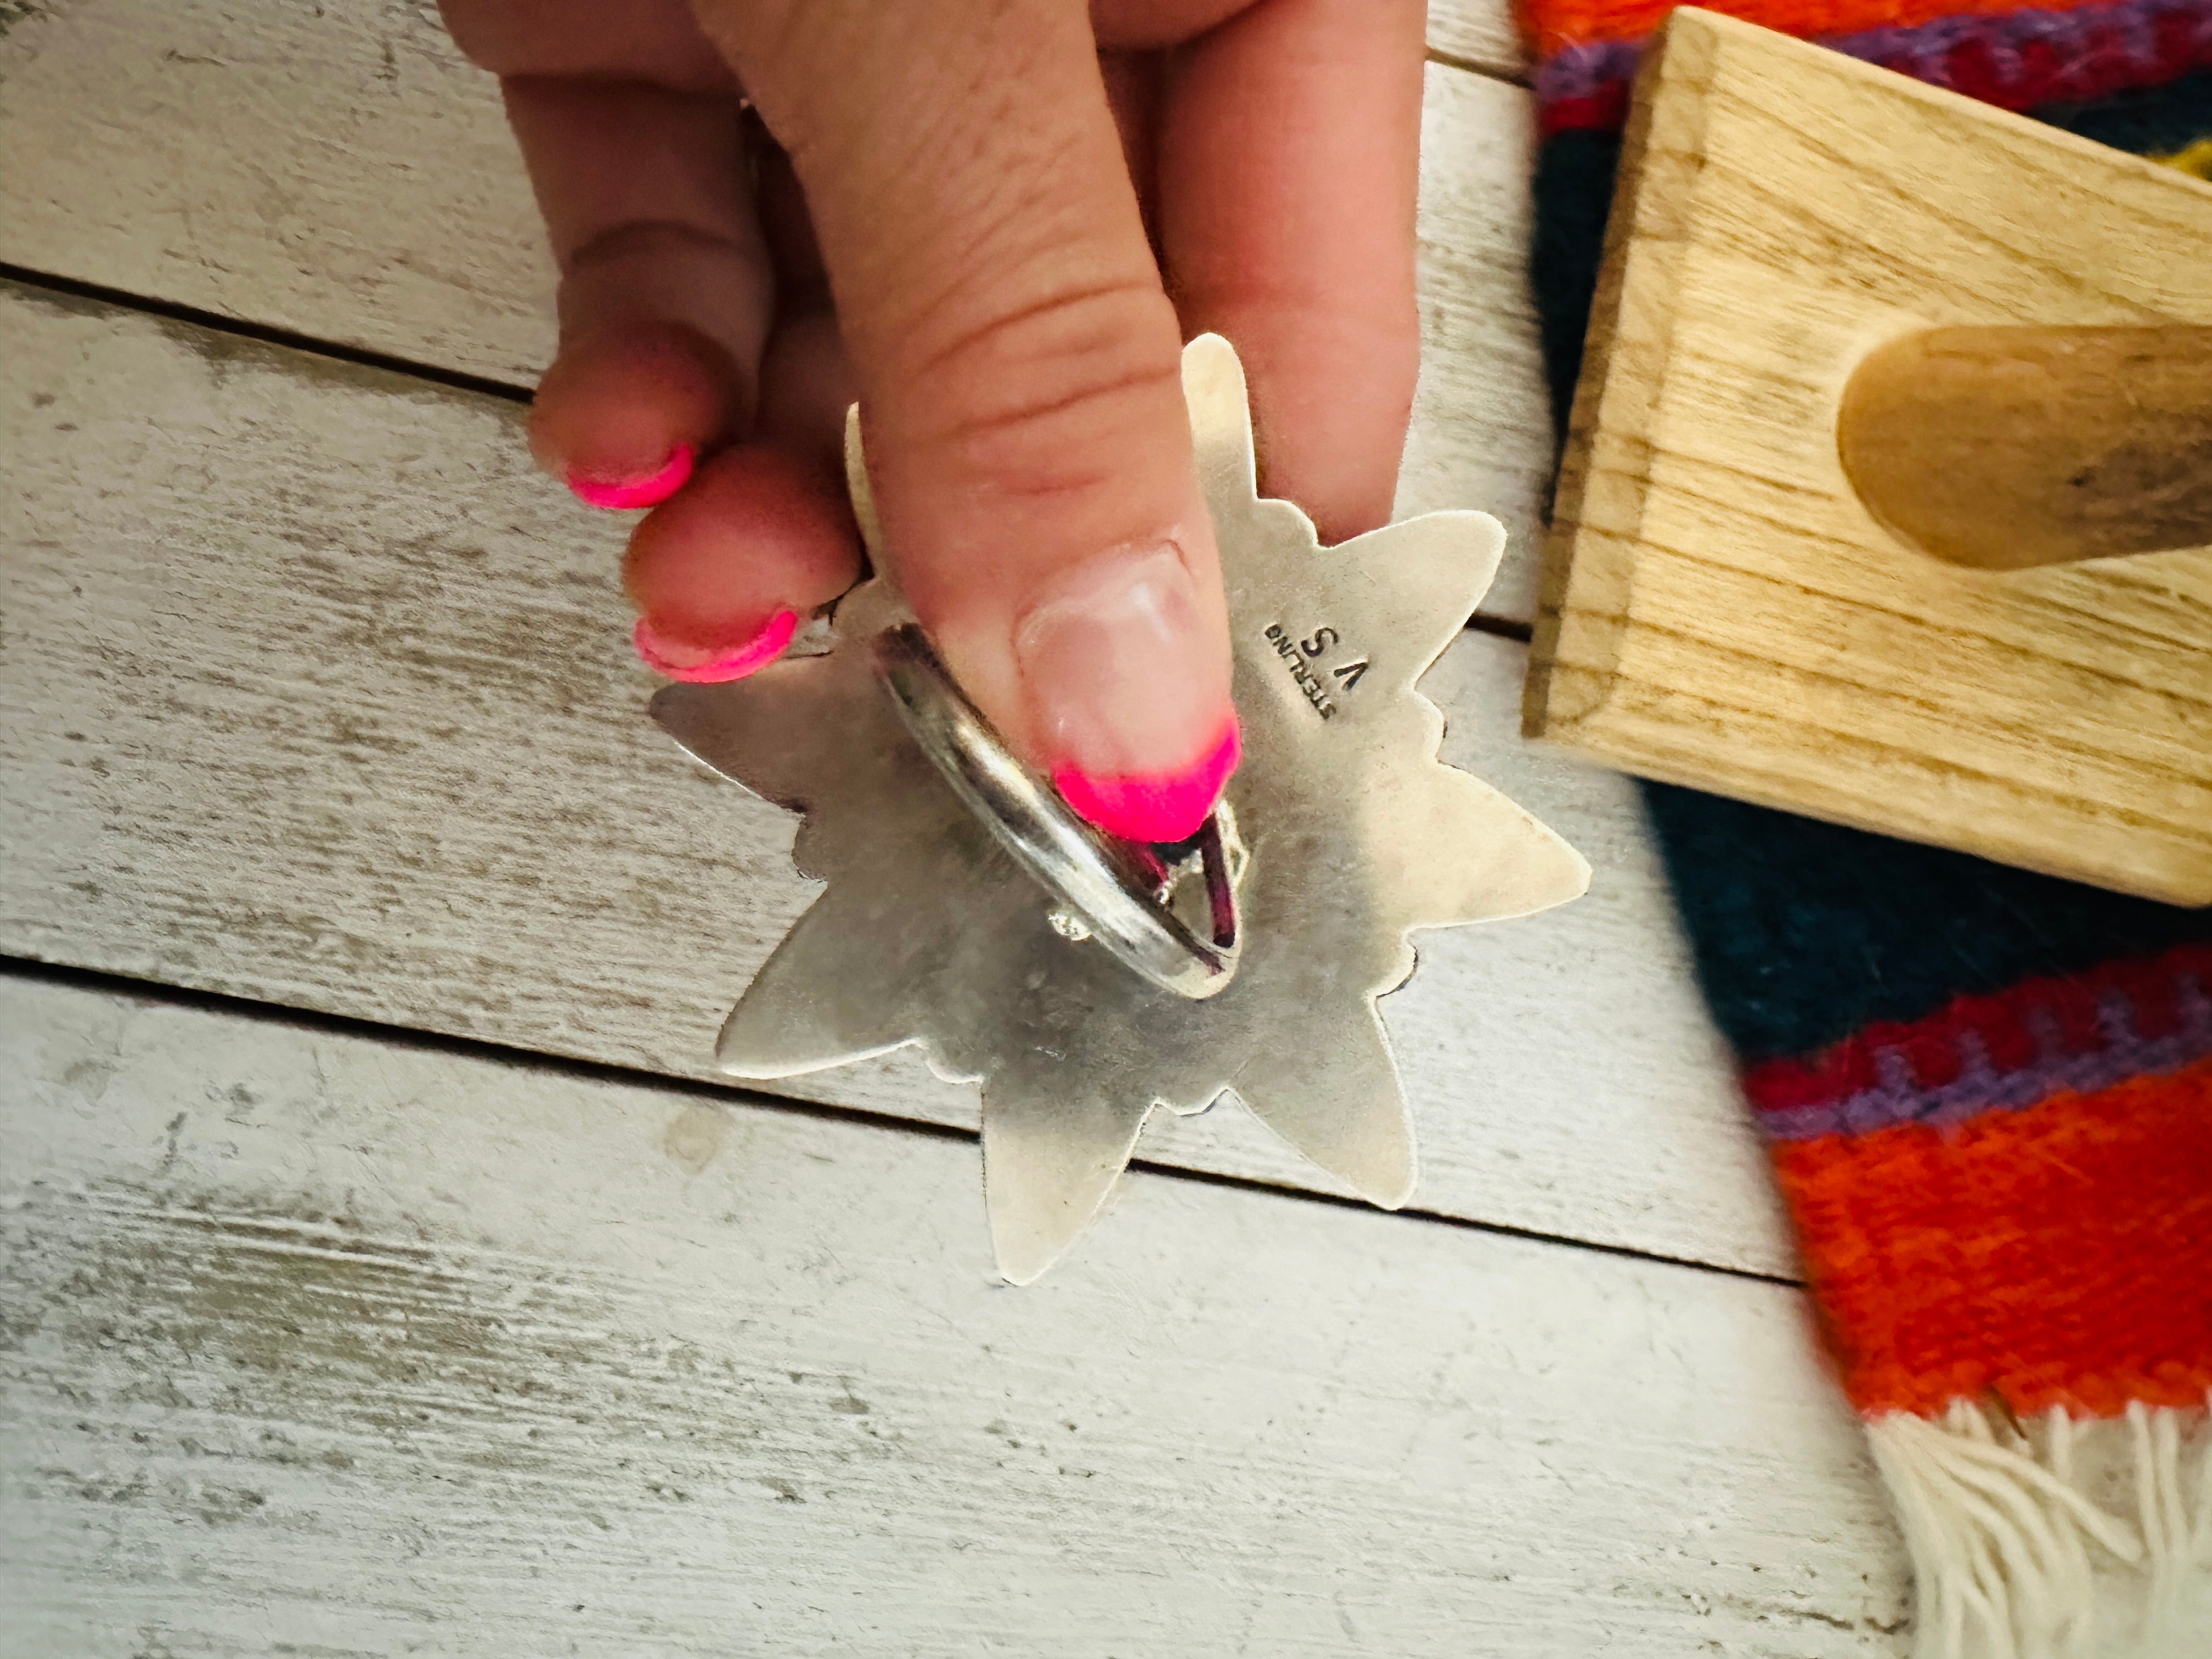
[(1552, 24), (2056, 1256)]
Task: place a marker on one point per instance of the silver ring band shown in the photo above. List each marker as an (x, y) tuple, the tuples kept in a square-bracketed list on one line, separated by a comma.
[(1098, 883)]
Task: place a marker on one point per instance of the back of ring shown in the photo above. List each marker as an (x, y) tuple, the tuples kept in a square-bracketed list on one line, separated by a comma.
[(1098, 883)]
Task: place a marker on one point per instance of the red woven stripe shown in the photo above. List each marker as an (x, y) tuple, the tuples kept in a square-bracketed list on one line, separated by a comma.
[(2006, 1024), (2153, 994), (1834, 1074), (2060, 1255), (2005, 1037), (1602, 112), (2015, 73), (1556, 23)]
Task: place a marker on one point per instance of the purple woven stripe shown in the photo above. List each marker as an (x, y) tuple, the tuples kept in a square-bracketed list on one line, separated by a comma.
[(1981, 1087), (1582, 71), (2128, 30), (1924, 50)]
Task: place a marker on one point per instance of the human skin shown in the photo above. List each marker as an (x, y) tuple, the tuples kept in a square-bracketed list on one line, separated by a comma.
[(992, 223)]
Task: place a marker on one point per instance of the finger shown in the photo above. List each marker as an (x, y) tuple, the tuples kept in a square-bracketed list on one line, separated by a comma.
[(639, 152), (806, 382), (665, 287), (724, 573), (666, 296), (1018, 366), (627, 134), (807, 387), (785, 221), (1132, 94), (1290, 155), (726, 570), (657, 41)]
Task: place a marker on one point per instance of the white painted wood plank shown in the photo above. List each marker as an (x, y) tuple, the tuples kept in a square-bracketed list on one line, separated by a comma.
[(319, 1345), (316, 696), (340, 172), (1479, 34), (1481, 432)]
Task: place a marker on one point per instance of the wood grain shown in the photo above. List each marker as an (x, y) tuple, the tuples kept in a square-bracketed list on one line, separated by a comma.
[(341, 173), (1481, 434), (317, 697), (320, 1345), (1718, 608)]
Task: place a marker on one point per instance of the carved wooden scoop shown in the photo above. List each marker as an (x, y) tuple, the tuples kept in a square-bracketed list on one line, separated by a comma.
[(1878, 379), (2006, 448)]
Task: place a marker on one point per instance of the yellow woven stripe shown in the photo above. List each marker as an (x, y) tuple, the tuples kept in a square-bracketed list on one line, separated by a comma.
[(2197, 159)]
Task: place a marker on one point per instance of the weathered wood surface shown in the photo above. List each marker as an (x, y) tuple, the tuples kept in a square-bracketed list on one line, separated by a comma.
[(1481, 434), (317, 696), (342, 173), (1479, 34), (323, 1344), (1720, 608), (318, 1344)]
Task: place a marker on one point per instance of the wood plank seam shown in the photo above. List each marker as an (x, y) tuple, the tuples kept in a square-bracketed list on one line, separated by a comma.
[(307, 568), (545, 1366), (1507, 628), (757, 1096), (245, 328), (1512, 76)]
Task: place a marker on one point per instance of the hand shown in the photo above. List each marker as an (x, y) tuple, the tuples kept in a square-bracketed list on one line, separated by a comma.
[(992, 222)]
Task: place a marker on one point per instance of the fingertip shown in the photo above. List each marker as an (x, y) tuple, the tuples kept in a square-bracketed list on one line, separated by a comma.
[(1164, 806), (1121, 680), (648, 490), (714, 666), (624, 412), (758, 537)]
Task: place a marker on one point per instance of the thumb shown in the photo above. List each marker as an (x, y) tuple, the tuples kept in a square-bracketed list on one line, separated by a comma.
[(1018, 366)]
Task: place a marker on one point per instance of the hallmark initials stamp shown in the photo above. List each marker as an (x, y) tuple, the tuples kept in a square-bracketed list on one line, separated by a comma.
[(1322, 686)]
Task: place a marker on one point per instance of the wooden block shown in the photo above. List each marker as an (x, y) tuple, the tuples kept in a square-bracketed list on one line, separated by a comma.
[(1717, 608)]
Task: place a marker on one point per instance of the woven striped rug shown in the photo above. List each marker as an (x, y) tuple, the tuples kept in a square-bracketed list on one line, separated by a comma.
[(1987, 1094)]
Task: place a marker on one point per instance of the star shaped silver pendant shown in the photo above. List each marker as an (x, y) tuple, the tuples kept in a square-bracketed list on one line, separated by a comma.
[(1352, 833)]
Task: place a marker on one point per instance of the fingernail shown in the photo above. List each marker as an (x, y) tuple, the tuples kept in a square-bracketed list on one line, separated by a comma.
[(646, 489), (1128, 696), (1154, 806), (710, 665)]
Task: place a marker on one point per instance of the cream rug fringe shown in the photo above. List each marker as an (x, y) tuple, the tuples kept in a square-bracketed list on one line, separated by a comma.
[(2057, 1536)]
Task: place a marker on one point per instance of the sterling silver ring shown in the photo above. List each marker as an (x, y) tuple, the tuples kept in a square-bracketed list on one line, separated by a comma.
[(1115, 891)]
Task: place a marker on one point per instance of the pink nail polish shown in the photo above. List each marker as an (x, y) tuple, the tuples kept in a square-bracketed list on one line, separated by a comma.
[(1128, 682), (619, 494), (1154, 806), (681, 662)]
